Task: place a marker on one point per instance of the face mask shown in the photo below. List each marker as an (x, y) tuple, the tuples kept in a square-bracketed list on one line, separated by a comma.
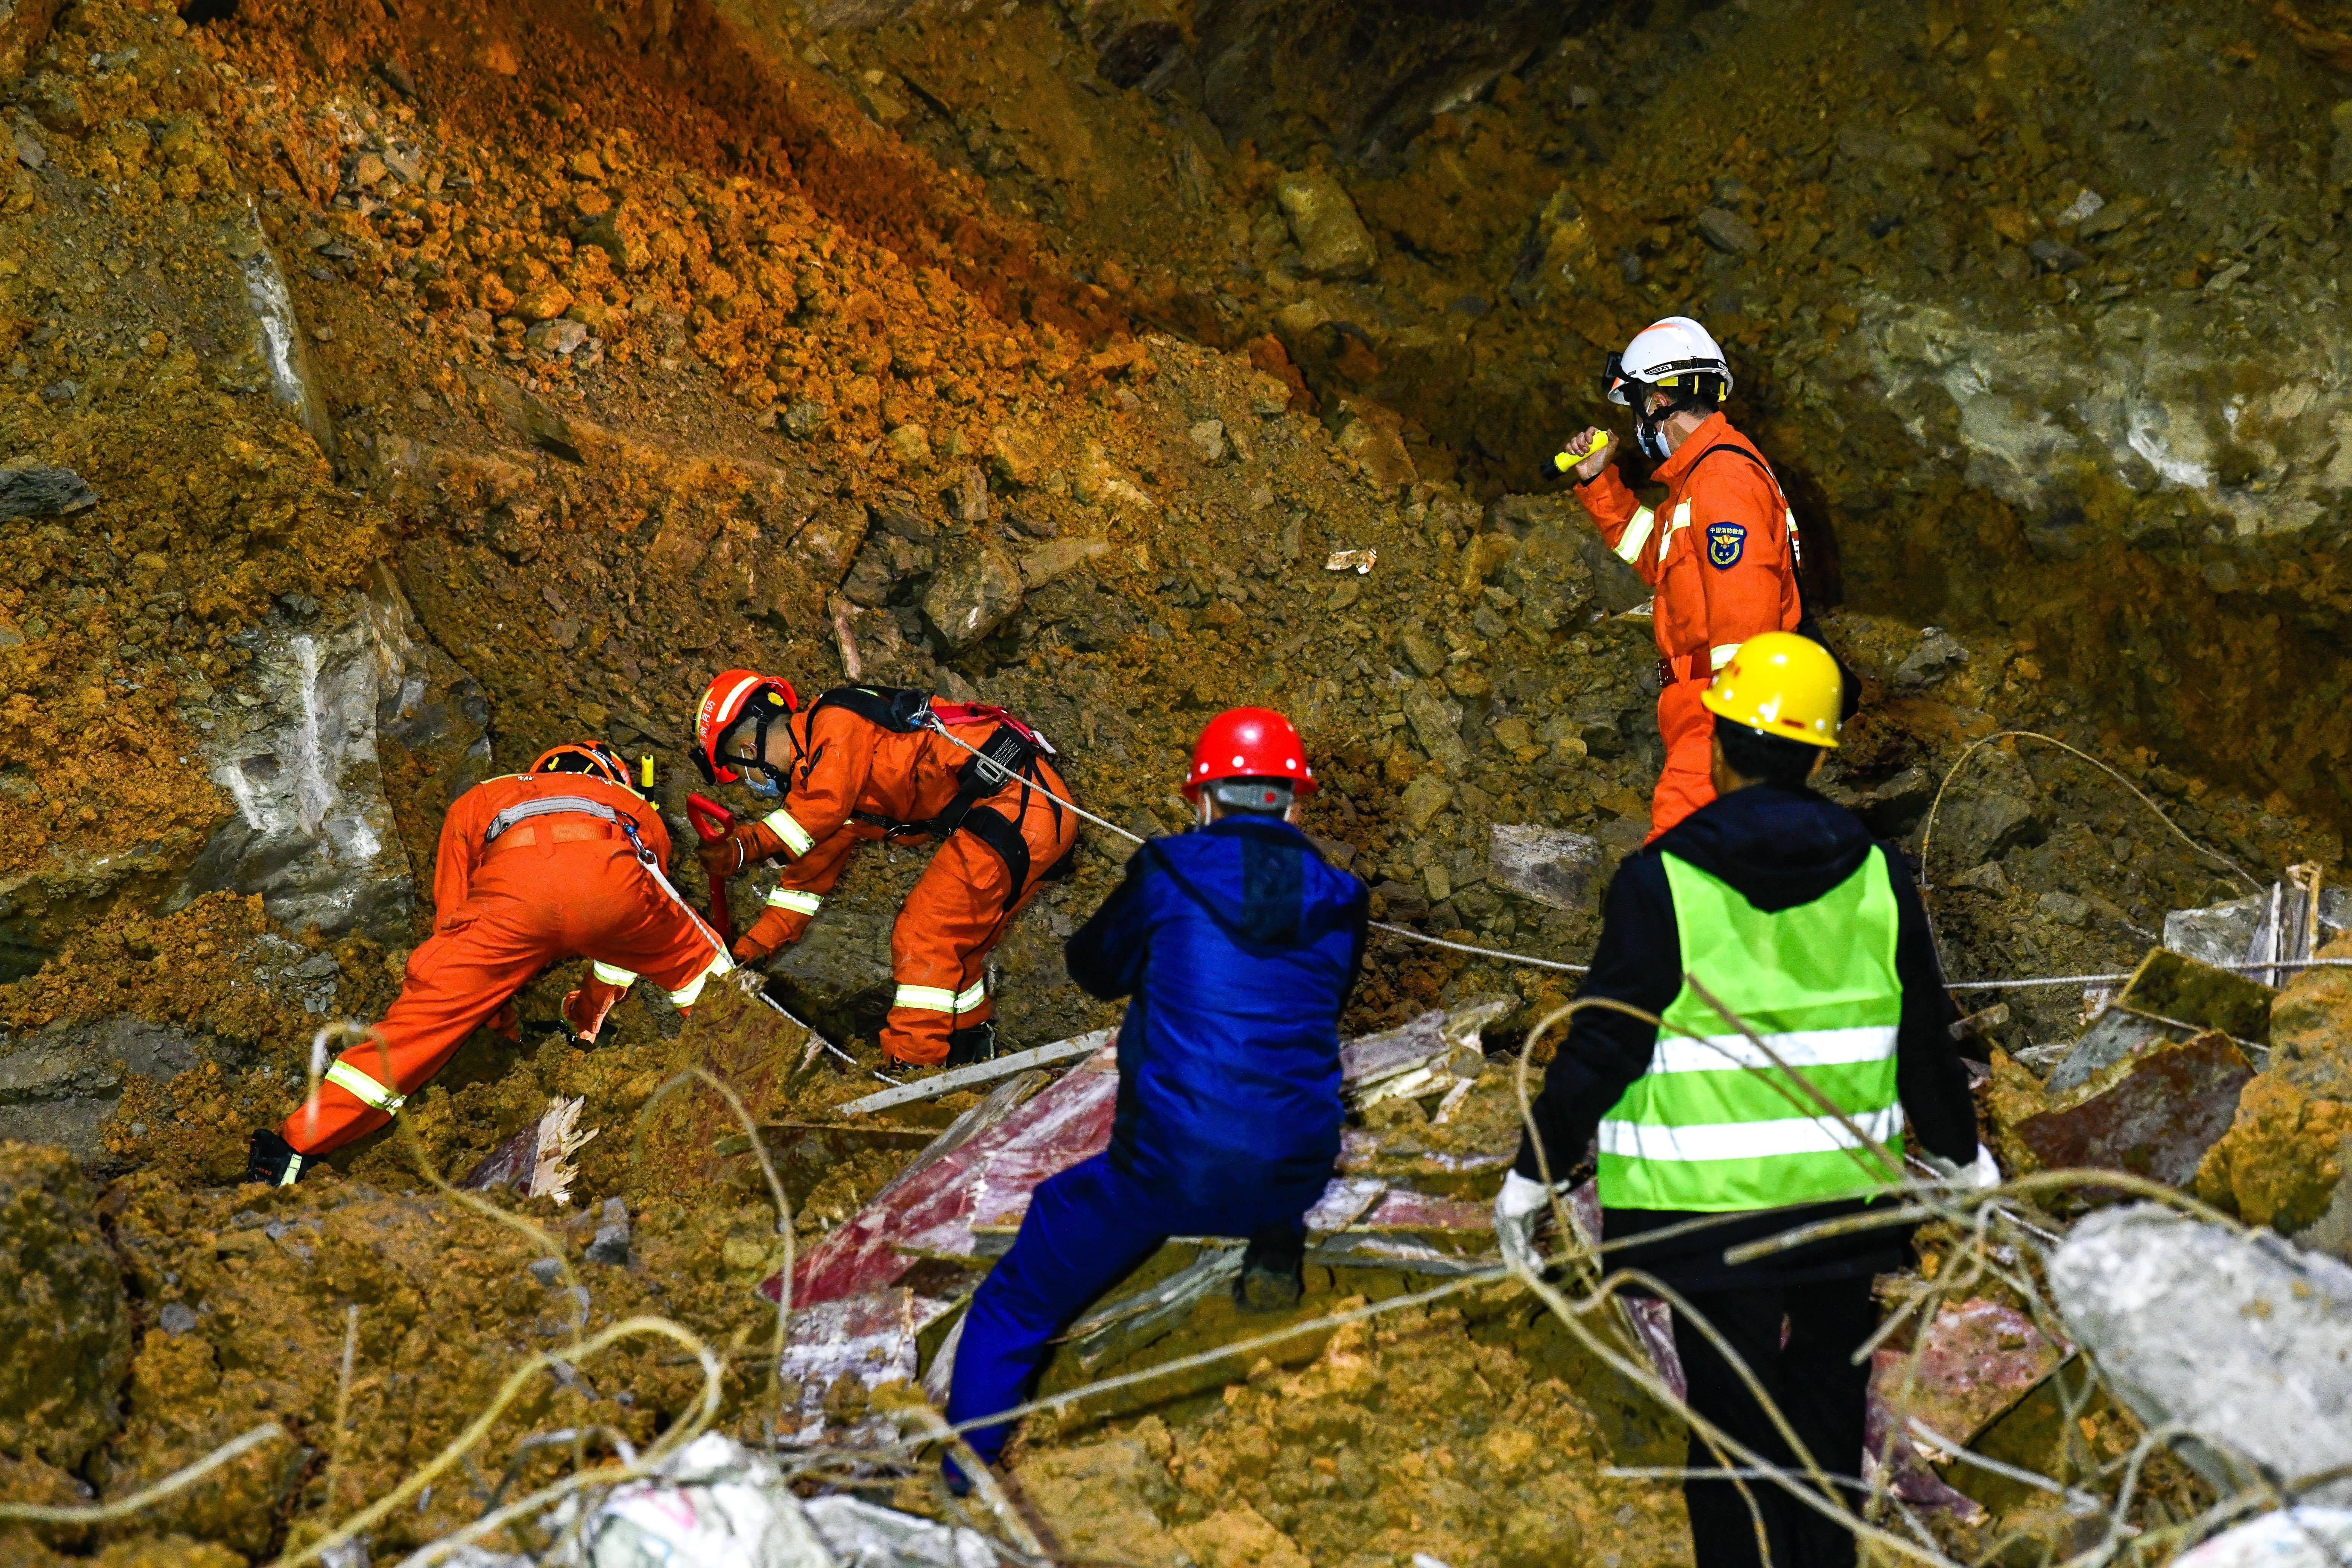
[(1651, 441), (760, 784)]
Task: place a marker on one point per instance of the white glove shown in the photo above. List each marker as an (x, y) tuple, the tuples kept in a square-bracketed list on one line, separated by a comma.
[(1517, 1208), (1980, 1175)]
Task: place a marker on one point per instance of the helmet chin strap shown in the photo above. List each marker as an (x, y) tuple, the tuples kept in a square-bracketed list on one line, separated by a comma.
[(771, 776)]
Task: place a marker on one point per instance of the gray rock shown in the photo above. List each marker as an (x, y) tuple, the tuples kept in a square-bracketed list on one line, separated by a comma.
[(612, 1244), (557, 337), (2291, 1538), (59, 1085), (35, 489), (1437, 725), (176, 1318), (2064, 908), (805, 419), (974, 593), (1991, 825), (1549, 864), (1938, 653), (546, 1271), (1727, 231), (1332, 239), (313, 832), (1208, 438), (2247, 1342)]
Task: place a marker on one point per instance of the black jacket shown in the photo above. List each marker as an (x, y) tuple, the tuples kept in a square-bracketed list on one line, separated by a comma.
[(1777, 848)]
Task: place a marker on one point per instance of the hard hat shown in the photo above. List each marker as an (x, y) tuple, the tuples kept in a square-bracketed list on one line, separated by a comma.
[(1249, 743), (1778, 683), (1676, 354), (735, 695), (594, 758)]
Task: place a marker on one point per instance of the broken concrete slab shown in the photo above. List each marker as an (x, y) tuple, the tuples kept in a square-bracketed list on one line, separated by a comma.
[(2172, 985), (2168, 999), (2154, 1115), (2244, 1340)]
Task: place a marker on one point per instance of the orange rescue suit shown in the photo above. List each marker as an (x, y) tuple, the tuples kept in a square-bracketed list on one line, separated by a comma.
[(565, 884), (854, 779), (1720, 550)]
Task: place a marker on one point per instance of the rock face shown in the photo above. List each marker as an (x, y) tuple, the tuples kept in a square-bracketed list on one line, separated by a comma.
[(65, 1329), (2145, 1291), (1333, 240), (298, 751), (57, 1086)]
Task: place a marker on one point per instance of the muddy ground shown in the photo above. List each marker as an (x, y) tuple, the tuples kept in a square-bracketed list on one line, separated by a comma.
[(615, 345)]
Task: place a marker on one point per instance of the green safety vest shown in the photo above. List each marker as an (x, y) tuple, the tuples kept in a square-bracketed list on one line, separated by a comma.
[(1714, 1126)]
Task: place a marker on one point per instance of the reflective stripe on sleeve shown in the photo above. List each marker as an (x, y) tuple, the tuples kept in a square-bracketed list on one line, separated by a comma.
[(687, 995), (363, 1089), (613, 975), (796, 838), (799, 902), (940, 999), (1720, 654), (1637, 535)]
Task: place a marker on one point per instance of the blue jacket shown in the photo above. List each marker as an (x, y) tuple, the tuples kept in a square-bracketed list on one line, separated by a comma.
[(1238, 946)]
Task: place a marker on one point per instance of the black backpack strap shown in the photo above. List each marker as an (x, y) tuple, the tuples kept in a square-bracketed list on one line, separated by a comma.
[(898, 708), (1004, 757), (1807, 624)]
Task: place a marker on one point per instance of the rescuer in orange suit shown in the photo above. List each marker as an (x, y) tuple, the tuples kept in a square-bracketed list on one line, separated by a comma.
[(563, 861), (866, 762), (1720, 549)]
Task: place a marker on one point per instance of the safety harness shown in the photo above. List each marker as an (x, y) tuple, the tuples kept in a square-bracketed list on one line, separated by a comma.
[(1012, 755)]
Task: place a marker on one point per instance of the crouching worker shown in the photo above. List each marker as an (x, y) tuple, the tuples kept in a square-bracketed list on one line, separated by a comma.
[(1236, 947), (561, 862), (1781, 907)]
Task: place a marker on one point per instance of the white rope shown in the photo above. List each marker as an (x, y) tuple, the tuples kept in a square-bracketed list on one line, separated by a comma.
[(1004, 775), (2117, 979), (1411, 935)]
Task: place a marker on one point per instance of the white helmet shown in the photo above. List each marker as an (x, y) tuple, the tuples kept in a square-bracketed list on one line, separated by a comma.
[(1666, 354)]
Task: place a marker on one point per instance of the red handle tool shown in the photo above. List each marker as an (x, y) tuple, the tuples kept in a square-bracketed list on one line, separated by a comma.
[(712, 820)]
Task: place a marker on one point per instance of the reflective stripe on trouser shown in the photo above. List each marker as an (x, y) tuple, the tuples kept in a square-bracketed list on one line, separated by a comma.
[(937, 999), (530, 907), (1687, 781), (689, 993), (1717, 1124), (956, 913)]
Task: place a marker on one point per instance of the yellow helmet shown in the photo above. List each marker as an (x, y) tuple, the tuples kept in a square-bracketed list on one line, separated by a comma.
[(1778, 683)]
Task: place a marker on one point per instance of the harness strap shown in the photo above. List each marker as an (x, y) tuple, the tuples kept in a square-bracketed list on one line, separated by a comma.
[(523, 811)]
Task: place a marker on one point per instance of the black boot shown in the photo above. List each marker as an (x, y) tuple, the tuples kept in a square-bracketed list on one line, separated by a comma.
[(973, 1046), (272, 1162), (1274, 1271)]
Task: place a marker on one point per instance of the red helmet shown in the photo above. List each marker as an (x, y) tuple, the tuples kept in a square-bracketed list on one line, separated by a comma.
[(1249, 743), (734, 695), (594, 758)]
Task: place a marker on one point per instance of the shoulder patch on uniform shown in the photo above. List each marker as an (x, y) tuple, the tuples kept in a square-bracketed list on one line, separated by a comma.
[(1725, 542)]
